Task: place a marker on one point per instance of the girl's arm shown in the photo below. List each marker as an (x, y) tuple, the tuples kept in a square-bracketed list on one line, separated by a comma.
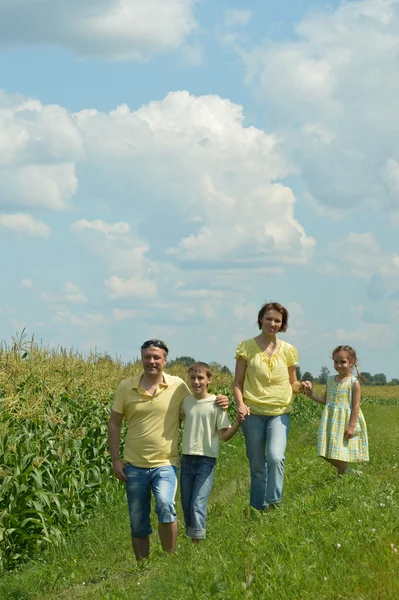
[(350, 430), (315, 397), (241, 367)]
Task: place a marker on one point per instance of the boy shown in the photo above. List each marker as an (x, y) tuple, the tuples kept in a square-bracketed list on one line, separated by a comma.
[(204, 423)]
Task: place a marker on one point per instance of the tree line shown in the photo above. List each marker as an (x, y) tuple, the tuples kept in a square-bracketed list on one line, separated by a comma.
[(367, 378)]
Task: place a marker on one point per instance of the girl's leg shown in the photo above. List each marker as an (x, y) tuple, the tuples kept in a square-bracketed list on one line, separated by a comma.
[(254, 430), (341, 466), (277, 433), (187, 479), (204, 474)]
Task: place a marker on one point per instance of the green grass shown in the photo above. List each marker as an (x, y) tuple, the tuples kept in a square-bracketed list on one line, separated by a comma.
[(332, 538)]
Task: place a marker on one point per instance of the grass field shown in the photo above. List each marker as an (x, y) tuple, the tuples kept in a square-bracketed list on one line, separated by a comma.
[(63, 520), (332, 538)]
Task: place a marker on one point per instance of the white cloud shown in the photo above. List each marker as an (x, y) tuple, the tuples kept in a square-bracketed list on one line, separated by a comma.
[(113, 30), (24, 224), (131, 288), (198, 164), (120, 314), (234, 17), (362, 255), (108, 229), (27, 283), (189, 160), (64, 315), (38, 145), (332, 95), (72, 293)]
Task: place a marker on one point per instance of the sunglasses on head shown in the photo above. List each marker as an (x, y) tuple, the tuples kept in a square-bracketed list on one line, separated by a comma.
[(157, 344)]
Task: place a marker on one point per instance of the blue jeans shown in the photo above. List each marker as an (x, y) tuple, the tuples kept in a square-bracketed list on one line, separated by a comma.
[(196, 478), (265, 441), (163, 483)]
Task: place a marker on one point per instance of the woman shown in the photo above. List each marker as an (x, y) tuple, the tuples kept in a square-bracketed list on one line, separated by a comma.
[(264, 383)]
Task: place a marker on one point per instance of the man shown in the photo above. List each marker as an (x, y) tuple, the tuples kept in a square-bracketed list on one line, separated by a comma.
[(150, 402)]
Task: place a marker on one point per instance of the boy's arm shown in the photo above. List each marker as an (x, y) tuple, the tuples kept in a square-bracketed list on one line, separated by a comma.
[(227, 433)]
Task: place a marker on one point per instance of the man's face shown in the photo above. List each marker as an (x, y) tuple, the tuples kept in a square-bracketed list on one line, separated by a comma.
[(153, 359)]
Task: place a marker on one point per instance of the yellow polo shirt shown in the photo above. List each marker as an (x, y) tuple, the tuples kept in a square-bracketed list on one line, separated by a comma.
[(267, 389), (153, 421)]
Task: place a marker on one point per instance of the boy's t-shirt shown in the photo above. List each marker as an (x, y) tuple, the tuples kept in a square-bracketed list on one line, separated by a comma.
[(202, 421)]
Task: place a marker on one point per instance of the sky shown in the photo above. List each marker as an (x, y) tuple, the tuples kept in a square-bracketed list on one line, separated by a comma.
[(167, 166)]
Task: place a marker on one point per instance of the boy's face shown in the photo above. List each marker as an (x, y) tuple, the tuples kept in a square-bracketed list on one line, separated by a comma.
[(199, 381)]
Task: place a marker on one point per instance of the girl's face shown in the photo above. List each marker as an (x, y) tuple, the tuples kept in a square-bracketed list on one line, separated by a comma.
[(271, 322), (342, 362)]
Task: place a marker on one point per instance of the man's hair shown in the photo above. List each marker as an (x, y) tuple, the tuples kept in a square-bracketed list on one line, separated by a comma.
[(157, 344), (199, 367), (277, 307)]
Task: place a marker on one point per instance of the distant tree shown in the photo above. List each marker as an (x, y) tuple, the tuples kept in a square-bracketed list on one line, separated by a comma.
[(380, 379), (394, 382), (307, 376), (324, 373), (368, 378), (298, 372), (186, 361), (226, 370)]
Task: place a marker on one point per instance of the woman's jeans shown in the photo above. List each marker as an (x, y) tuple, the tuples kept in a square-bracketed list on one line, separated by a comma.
[(265, 441), (196, 478)]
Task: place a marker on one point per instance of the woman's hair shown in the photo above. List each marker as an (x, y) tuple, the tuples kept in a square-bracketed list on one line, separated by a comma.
[(352, 355), (201, 367), (277, 307)]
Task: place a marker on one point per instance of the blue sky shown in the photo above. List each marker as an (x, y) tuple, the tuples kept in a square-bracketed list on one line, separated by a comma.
[(168, 166)]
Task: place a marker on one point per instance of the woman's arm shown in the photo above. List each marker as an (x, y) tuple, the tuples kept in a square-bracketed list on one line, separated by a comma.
[(295, 384), (239, 376), (350, 430)]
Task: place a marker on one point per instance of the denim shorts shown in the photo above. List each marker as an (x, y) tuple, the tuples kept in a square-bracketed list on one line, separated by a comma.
[(162, 481)]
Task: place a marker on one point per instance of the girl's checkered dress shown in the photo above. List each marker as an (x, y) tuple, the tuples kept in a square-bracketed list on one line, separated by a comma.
[(334, 420)]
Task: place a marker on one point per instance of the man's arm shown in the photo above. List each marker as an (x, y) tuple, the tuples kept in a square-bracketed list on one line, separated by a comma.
[(114, 440)]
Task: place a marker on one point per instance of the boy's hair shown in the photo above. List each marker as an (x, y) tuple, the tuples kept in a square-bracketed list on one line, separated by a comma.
[(201, 366), (277, 307), (352, 355)]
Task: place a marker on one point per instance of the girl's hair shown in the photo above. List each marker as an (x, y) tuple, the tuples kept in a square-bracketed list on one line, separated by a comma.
[(277, 307), (352, 355), (201, 367)]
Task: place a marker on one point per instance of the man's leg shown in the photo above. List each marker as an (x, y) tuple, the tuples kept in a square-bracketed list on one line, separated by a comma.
[(164, 485), (138, 493), (141, 547)]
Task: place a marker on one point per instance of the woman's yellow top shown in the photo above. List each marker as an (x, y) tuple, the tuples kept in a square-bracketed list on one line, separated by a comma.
[(267, 389)]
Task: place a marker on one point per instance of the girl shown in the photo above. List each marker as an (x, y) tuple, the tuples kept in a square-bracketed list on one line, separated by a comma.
[(342, 435)]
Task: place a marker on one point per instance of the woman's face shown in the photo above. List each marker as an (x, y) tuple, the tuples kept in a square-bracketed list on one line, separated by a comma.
[(271, 322)]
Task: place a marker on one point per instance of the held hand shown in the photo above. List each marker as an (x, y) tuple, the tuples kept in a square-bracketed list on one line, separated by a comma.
[(349, 433), (239, 417), (117, 468), (222, 401), (307, 388), (243, 411)]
